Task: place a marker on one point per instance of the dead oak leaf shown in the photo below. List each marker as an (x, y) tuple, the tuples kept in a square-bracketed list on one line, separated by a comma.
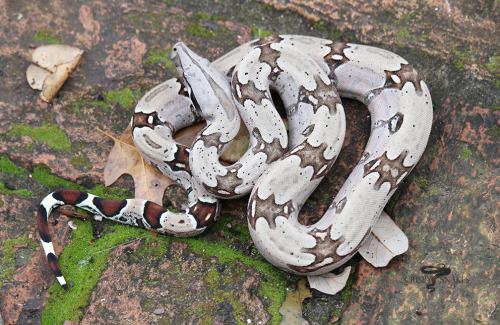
[(292, 307), (124, 158)]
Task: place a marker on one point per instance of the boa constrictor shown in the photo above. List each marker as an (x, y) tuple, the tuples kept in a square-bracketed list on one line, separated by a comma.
[(280, 170)]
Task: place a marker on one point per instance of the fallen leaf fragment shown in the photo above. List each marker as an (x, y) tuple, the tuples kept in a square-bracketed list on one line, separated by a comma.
[(292, 307), (385, 241), (124, 158), (329, 283), (51, 67), (238, 147), (240, 144)]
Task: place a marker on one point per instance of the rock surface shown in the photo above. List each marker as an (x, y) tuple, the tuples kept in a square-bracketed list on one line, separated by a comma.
[(448, 207)]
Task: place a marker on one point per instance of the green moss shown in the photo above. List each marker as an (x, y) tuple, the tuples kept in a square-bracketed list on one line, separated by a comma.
[(276, 293), (82, 262), (392, 202), (465, 152), (347, 291), (41, 174), (335, 34), (76, 266), (461, 58), (123, 97), (196, 29), (408, 16), (47, 35), (259, 32), (402, 33), (155, 18), (267, 7), (6, 165), (80, 161), (494, 65), (159, 56), (237, 231), (7, 269), (76, 106), (112, 193), (436, 192), (495, 108), (494, 131), (273, 287), (422, 183), (319, 26), (21, 192), (84, 259), (49, 133), (460, 65)]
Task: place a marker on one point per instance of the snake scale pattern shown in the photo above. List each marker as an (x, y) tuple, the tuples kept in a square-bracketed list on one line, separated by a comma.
[(280, 169)]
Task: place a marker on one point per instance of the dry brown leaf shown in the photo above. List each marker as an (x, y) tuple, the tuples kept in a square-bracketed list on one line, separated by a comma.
[(124, 158), (186, 136), (238, 147), (329, 283), (232, 153), (240, 144), (51, 66), (385, 241), (292, 307)]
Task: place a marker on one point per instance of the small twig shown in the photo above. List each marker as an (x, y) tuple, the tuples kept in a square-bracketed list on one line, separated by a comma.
[(65, 210)]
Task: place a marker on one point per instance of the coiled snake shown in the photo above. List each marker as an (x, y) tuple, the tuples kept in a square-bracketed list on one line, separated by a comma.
[(279, 170)]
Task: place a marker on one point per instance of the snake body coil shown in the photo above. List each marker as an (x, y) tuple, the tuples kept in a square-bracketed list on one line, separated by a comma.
[(279, 170)]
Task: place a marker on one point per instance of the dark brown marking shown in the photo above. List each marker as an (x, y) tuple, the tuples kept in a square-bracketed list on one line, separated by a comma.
[(66, 197), (405, 74), (314, 157), (227, 183), (325, 248), (142, 120), (395, 122), (323, 95), (268, 209), (271, 56), (267, 40), (109, 208), (201, 210), (42, 225), (70, 196), (308, 130), (183, 91), (273, 150), (181, 160), (336, 49), (211, 140), (390, 171), (54, 266), (249, 91), (230, 71), (340, 205), (152, 214)]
